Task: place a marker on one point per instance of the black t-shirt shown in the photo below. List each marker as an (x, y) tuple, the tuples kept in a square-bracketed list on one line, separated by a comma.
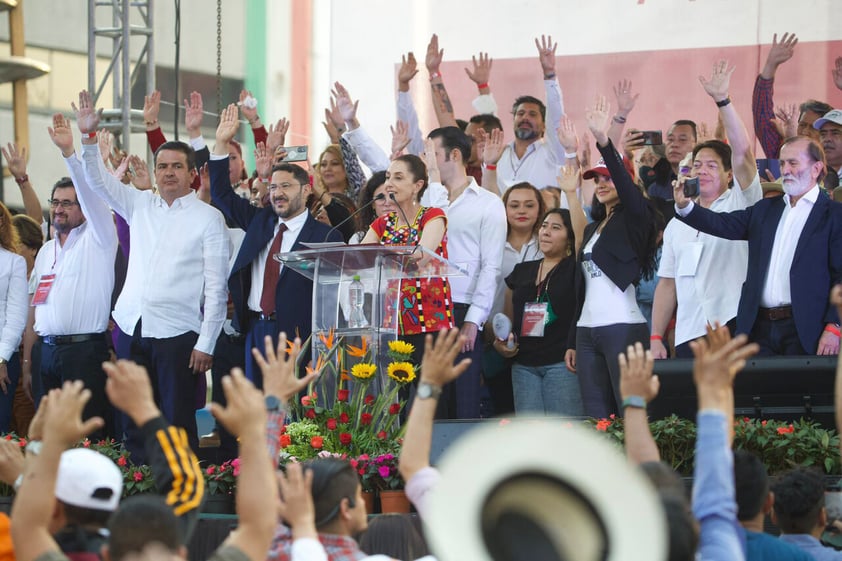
[(549, 349)]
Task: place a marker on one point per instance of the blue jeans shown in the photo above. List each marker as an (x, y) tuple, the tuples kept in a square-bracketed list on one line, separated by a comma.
[(597, 349), (546, 390)]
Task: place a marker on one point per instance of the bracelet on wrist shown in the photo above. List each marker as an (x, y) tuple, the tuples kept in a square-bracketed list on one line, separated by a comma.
[(571, 155), (619, 119), (152, 123), (89, 134), (635, 401), (490, 167), (832, 329), (724, 102), (434, 75), (22, 179), (656, 338), (482, 86), (549, 76)]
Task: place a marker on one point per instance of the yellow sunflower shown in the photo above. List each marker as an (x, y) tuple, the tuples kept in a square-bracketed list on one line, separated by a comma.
[(401, 347), (403, 372), (363, 370)]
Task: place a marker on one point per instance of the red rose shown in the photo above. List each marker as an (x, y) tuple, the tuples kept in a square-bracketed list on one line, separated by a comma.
[(344, 418), (331, 424), (369, 399), (310, 414), (394, 409), (317, 442), (285, 440), (366, 418), (305, 400), (381, 435), (345, 438), (342, 395), (283, 429)]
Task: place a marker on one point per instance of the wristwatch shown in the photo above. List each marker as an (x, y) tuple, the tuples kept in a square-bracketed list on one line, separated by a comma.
[(34, 447), (428, 391), (634, 401), (273, 404)]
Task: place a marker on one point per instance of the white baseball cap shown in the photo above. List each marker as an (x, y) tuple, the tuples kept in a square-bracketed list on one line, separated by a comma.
[(88, 479)]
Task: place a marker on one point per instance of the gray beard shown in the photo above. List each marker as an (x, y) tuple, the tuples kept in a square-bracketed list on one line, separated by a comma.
[(526, 134)]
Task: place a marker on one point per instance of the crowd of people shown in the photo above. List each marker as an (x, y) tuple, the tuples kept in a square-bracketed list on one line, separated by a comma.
[(175, 273)]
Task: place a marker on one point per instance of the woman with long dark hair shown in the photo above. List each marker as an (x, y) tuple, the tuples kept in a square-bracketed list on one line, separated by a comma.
[(618, 249)]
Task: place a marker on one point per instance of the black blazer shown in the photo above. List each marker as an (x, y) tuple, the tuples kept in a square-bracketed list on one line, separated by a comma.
[(623, 246), (816, 267), (294, 293)]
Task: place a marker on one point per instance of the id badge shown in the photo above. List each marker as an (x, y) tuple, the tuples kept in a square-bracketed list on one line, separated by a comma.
[(535, 315), (45, 284)]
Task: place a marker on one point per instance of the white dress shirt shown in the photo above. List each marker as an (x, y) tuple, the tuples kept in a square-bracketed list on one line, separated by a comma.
[(476, 235), (258, 266), (542, 161), (80, 298), (776, 288), (709, 272), (178, 262), (13, 302)]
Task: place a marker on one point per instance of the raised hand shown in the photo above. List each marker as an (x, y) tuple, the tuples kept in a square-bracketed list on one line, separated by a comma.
[(203, 192), (246, 410), (636, 378), (128, 389), (63, 422), (105, 140), (429, 157), (625, 98), (250, 113), (632, 140), (296, 505), (567, 135), (347, 108), (140, 173), (87, 116), (837, 73), (786, 120), (481, 72), (262, 160), (400, 138), (120, 171), (11, 461), (718, 360), (151, 108), (779, 53), (276, 134), (703, 133), (569, 179), (278, 365), (434, 55), (598, 118), (334, 124), (16, 157), (437, 365), (720, 80), (407, 71), (193, 114), (546, 55), (227, 129), (494, 147)]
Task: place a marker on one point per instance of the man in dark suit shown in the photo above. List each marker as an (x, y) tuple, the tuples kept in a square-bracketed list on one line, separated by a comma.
[(795, 256), (268, 298)]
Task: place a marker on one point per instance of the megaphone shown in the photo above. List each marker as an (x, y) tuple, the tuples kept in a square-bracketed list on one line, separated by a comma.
[(541, 490)]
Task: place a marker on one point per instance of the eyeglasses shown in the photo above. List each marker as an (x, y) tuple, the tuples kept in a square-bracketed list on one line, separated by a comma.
[(283, 186), (65, 204)]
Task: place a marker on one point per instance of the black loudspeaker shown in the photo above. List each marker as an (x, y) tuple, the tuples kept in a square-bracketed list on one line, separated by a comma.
[(780, 388)]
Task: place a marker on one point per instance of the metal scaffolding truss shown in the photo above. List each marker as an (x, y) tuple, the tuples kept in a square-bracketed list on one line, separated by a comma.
[(120, 71)]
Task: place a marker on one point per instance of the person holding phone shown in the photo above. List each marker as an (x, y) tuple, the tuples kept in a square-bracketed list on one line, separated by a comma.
[(700, 275), (617, 249)]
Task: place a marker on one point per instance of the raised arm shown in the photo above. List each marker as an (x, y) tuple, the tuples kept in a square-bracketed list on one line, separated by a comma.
[(625, 104), (405, 106), (638, 387), (762, 105), (570, 182), (343, 107), (437, 369), (441, 101), (248, 105), (257, 489), (16, 162), (151, 108), (175, 468), (119, 197), (96, 211), (555, 104), (33, 509), (234, 207), (742, 156), (836, 72), (481, 76)]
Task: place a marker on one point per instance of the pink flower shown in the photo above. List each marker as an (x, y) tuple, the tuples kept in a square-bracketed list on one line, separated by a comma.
[(121, 461), (86, 443), (211, 470), (235, 463), (384, 471), (236, 471), (305, 400), (138, 476)]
